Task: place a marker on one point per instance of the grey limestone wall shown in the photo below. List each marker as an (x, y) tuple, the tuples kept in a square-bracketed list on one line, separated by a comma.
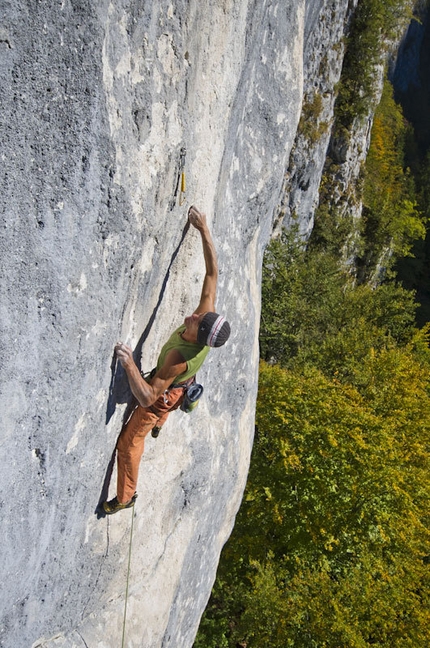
[(324, 53), (101, 105)]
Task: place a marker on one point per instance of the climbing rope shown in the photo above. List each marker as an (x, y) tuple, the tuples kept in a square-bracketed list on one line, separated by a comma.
[(128, 578)]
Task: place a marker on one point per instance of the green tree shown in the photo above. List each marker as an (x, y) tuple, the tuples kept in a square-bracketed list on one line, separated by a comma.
[(314, 313), (392, 220), (375, 23), (330, 545)]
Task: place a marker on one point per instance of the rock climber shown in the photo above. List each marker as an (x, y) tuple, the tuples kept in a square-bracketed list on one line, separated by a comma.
[(178, 362)]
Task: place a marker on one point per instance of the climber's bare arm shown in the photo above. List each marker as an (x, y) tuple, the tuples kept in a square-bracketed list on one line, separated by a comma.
[(147, 393), (207, 298)]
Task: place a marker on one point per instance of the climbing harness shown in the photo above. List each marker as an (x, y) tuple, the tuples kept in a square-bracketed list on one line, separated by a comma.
[(128, 579), (192, 393)]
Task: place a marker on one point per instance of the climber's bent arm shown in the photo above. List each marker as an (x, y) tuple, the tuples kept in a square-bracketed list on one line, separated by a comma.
[(147, 393)]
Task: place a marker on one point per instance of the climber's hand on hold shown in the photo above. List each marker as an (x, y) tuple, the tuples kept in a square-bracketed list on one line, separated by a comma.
[(197, 219), (124, 354)]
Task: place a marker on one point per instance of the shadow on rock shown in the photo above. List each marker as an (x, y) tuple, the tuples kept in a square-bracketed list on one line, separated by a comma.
[(105, 488), (119, 389)]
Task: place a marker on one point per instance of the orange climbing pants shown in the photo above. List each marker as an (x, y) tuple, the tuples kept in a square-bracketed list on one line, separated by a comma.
[(131, 441)]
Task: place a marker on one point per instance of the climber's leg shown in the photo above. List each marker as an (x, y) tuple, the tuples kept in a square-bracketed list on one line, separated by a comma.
[(131, 441), (130, 448)]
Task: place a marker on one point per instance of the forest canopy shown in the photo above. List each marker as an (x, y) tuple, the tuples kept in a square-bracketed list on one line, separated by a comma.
[(331, 544)]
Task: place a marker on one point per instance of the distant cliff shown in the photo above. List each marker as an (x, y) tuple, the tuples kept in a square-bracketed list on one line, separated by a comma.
[(103, 105)]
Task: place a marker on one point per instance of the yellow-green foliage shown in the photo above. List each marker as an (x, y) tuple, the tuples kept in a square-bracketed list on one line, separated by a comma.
[(391, 216), (312, 312), (331, 545), (310, 125), (375, 22)]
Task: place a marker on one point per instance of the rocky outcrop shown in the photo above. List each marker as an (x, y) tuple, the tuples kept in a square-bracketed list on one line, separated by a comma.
[(323, 58), (103, 105), (327, 160)]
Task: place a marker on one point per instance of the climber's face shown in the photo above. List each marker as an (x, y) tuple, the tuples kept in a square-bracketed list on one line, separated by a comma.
[(192, 322)]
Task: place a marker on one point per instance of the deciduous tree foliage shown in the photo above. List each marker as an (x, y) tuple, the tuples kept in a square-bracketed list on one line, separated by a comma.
[(375, 23), (331, 545), (391, 215), (312, 311)]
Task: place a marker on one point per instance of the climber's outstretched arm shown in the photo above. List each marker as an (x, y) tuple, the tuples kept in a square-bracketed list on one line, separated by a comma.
[(207, 298), (147, 393)]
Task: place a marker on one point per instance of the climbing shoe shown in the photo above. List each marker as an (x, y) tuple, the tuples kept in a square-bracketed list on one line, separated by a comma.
[(155, 431), (113, 506)]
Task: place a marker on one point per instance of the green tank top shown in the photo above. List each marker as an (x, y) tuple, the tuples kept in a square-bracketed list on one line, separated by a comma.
[(193, 354)]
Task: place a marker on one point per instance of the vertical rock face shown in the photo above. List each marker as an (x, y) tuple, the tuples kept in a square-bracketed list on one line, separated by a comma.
[(102, 105), (323, 57)]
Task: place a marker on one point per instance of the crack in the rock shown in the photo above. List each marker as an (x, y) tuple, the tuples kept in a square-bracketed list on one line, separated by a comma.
[(83, 640)]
